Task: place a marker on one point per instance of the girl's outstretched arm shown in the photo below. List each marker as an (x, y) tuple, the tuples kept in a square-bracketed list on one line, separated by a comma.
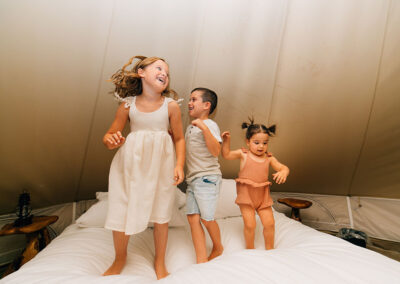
[(113, 137), (226, 148), (282, 171), (179, 140)]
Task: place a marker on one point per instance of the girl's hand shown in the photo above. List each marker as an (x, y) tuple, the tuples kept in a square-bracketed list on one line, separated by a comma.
[(178, 175), (280, 177), (226, 136), (113, 140)]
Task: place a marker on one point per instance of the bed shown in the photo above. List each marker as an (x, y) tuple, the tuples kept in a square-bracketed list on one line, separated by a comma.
[(301, 255)]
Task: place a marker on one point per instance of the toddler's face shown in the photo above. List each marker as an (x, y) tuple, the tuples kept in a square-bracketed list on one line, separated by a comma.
[(156, 75), (196, 105), (258, 144)]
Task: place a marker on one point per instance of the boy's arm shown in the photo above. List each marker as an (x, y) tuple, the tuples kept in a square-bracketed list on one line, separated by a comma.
[(226, 145), (213, 146), (282, 171)]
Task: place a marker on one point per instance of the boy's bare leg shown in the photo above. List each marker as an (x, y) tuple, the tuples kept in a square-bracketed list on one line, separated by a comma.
[(215, 235), (268, 221), (120, 246), (198, 237), (160, 243), (249, 220)]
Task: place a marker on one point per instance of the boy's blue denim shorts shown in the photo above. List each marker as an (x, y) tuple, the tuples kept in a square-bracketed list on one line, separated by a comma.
[(202, 196)]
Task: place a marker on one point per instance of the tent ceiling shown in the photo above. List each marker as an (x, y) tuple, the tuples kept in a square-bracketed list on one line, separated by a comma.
[(327, 73)]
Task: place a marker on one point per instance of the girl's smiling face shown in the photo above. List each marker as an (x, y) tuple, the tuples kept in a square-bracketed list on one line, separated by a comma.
[(156, 75), (258, 144)]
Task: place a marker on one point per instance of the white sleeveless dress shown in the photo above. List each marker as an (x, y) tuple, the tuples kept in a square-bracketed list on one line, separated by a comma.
[(141, 177)]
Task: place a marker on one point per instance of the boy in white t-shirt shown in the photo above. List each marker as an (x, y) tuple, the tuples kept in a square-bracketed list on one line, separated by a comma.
[(203, 145)]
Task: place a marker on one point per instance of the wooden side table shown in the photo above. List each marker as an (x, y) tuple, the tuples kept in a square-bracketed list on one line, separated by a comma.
[(37, 237), (296, 205)]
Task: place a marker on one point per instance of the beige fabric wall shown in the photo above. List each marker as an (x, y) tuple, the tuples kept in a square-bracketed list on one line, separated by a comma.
[(377, 217), (51, 54), (326, 72), (378, 168)]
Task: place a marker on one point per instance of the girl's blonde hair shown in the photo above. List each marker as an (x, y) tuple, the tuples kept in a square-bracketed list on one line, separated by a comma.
[(128, 83)]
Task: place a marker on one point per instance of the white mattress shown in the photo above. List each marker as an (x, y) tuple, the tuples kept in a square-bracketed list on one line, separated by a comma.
[(302, 255)]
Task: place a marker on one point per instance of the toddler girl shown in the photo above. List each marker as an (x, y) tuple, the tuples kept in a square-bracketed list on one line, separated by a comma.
[(252, 184), (143, 173)]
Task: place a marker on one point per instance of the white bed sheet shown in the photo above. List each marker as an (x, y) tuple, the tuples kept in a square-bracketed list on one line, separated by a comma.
[(302, 255)]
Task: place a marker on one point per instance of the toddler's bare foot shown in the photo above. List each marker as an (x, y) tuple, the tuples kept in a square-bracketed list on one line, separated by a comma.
[(216, 252), (161, 270), (115, 268), (202, 260)]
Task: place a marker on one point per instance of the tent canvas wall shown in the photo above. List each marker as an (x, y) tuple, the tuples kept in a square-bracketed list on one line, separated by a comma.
[(326, 72)]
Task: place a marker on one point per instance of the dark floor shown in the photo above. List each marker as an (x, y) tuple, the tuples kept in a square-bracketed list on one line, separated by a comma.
[(387, 248), (2, 270)]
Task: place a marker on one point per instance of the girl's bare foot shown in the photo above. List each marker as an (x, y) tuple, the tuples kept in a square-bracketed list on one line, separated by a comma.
[(116, 267), (161, 270), (216, 252)]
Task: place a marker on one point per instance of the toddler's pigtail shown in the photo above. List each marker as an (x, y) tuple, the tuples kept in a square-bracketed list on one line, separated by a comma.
[(251, 119), (245, 125), (271, 130), (249, 126)]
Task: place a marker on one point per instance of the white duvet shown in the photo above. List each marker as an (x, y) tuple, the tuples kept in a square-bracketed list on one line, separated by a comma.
[(302, 255)]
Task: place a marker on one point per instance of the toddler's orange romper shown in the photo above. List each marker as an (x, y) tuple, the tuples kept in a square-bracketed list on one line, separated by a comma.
[(252, 184)]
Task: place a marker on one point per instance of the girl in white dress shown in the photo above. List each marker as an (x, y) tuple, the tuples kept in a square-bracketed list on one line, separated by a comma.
[(143, 173)]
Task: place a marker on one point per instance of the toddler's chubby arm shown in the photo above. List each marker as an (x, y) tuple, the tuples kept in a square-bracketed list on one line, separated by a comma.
[(226, 145), (179, 140), (212, 144), (113, 137), (282, 171)]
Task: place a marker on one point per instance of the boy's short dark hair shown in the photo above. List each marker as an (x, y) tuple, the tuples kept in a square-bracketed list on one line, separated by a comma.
[(208, 96)]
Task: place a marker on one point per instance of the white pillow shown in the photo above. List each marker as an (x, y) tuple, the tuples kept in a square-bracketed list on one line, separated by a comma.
[(96, 216), (226, 206), (102, 195)]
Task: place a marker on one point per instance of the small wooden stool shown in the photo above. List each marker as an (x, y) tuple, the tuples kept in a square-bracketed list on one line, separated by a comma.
[(37, 238), (296, 205)]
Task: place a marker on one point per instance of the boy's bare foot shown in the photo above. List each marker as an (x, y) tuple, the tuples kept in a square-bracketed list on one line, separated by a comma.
[(115, 268), (216, 252), (161, 271)]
